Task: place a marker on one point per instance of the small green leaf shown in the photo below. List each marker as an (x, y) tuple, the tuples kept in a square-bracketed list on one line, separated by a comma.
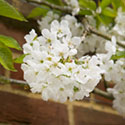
[(118, 55), (97, 22), (105, 3), (8, 10), (104, 19), (109, 12), (10, 42), (123, 4), (88, 4), (19, 59), (6, 57), (38, 11), (85, 12), (116, 4)]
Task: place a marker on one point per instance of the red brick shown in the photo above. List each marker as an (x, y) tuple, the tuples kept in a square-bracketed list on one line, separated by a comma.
[(1, 70), (16, 34), (84, 116), (19, 74), (20, 110)]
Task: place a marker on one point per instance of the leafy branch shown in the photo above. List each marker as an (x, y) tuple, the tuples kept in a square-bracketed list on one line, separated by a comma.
[(67, 9)]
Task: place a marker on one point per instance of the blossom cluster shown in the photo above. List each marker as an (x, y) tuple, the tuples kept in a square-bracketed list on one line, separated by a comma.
[(55, 71), (76, 27), (59, 62)]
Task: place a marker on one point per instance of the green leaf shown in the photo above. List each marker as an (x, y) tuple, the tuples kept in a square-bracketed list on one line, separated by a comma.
[(6, 57), (97, 22), (118, 55), (10, 42), (85, 12), (109, 12), (123, 4), (105, 3), (104, 19), (19, 59), (116, 4), (88, 4), (38, 11), (8, 10)]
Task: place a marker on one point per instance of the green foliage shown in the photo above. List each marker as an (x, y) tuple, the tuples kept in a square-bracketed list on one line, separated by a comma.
[(9, 11), (19, 59), (6, 57), (118, 55), (90, 4), (123, 4), (105, 3), (9, 42), (109, 12), (5, 53), (104, 19), (85, 12), (116, 4), (38, 11)]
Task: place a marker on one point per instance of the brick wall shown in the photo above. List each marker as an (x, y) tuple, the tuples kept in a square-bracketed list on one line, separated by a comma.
[(18, 106)]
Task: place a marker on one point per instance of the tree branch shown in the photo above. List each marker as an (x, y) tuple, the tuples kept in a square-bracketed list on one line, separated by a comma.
[(9, 80), (103, 94), (4, 79), (65, 9)]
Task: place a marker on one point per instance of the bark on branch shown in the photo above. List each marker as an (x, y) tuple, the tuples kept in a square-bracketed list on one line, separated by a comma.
[(65, 9), (103, 94)]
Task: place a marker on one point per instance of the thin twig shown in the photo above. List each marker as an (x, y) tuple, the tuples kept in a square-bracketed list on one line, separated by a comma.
[(4, 79), (103, 94), (105, 36), (9, 80), (94, 31)]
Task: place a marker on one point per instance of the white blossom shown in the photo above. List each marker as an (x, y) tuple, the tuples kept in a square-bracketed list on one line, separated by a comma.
[(119, 97), (61, 29), (74, 5), (119, 27), (75, 26)]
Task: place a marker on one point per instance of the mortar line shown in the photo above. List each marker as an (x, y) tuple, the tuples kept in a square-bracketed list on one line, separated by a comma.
[(70, 114)]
